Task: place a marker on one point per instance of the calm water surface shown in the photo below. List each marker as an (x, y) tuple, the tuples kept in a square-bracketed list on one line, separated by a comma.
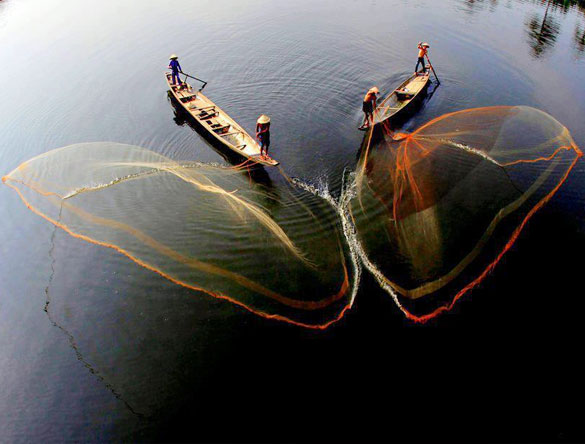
[(93, 347)]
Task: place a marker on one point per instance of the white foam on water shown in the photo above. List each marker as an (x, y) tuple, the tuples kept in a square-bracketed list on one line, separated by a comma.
[(471, 150), (348, 229), (358, 254)]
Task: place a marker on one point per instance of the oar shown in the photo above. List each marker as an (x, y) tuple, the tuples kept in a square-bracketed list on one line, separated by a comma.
[(199, 80), (433, 69)]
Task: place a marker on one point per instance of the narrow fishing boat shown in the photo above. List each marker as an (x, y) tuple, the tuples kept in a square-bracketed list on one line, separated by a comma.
[(217, 123), (400, 101)]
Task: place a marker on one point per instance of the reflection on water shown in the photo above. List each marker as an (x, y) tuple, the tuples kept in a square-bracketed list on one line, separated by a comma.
[(542, 27), (565, 6), (579, 38), (472, 6), (542, 32)]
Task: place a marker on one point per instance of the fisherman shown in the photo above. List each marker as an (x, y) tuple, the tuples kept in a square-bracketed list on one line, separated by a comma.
[(176, 68), (369, 106), (263, 134), (422, 52)]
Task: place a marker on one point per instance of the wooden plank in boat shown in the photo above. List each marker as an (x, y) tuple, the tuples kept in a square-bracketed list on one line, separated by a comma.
[(399, 100), (212, 118)]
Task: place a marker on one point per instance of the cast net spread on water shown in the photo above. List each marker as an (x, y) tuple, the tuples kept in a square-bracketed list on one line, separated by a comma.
[(436, 209), (429, 213), (275, 250)]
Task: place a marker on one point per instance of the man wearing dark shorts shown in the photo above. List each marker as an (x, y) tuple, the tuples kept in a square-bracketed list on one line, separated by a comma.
[(369, 106), (422, 52), (263, 134)]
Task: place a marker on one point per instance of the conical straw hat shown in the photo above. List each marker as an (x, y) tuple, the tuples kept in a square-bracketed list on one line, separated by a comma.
[(173, 56), (374, 90), (263, 119)]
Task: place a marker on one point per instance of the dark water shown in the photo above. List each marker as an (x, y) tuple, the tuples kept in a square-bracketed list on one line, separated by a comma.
[(93, 347)]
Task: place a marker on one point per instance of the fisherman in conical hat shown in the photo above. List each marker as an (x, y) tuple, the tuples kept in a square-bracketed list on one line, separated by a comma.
[(176, 68), (422, 52), (369, 106), (263, 134)]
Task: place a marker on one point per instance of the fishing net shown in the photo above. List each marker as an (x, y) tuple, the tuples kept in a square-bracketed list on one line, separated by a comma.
[(430, 214), (436, 209), (275, 250)]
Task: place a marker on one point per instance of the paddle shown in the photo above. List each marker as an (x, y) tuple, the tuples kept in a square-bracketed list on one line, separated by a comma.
[(202, 81), (433, 69)]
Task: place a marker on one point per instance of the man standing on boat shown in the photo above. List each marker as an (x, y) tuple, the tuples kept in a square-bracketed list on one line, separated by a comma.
[(422, 52), (369, 106), (263, 134), (176, 68)]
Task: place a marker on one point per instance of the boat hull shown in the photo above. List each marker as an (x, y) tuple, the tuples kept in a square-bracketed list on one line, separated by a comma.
[(400, 104), (217, 126)]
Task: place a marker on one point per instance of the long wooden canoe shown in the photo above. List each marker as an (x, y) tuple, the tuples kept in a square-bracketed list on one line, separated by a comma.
[(217, 123), (400, 101)]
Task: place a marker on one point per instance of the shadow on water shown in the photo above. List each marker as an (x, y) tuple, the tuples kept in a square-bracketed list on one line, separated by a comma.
[(71, 339)]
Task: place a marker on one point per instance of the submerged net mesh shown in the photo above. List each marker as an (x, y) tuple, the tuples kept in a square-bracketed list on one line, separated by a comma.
[(275, 250), (435, 210)]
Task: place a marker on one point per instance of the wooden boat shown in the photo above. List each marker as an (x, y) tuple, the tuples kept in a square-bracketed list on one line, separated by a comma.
[(217, 123), (400, 101)]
